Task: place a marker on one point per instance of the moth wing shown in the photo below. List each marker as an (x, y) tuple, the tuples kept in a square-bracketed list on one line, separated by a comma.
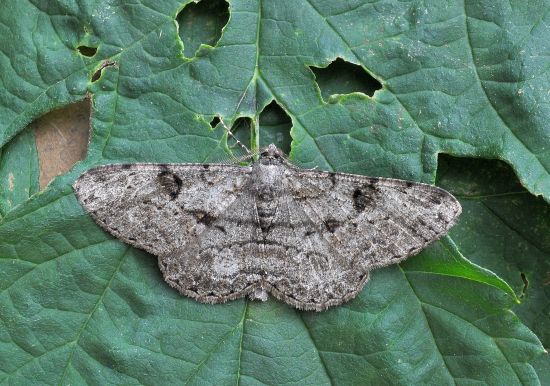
[(374, 221), (156, 207), (224, 261), (302, 266)]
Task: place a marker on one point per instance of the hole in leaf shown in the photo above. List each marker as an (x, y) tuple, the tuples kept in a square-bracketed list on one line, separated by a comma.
[(99, 71), (476, 177), (241, 129), (87, 51), (275, 127), (214, 122), (341, 77), (202, 23), (61, 139), (525, 285), (96, 75)]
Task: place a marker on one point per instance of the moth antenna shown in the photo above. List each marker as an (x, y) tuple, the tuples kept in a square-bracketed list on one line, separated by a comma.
[(233, 136), (247, 157)]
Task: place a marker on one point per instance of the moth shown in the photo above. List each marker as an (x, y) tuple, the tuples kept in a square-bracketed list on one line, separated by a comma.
[(225, 231)]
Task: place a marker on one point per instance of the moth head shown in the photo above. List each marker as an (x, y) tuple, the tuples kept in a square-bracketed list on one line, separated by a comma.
[(271, 153)]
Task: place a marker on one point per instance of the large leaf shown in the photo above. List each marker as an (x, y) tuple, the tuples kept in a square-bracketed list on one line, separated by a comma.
[(18, 171), (468, 79), (508, 231)]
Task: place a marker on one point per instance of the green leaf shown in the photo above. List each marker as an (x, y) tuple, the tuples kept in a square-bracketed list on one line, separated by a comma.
[(468, 79), (506, 230), (18, 171)]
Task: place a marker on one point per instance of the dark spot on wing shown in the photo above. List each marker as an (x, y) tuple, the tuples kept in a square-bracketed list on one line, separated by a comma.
[(362, 197), (206, 219), (436, 198), (221, 228), (170, 182), (332, 224), (202, 217), (125, 166), (206, 166), (332, 178)]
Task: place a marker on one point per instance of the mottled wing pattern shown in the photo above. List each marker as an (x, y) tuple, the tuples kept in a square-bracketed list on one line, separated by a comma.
[(312, 244), (373, 222), (302, 267), (224, 261), (158, 207)]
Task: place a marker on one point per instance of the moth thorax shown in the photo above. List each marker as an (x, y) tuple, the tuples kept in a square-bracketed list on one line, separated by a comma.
[(268, 175), (268, 189)]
